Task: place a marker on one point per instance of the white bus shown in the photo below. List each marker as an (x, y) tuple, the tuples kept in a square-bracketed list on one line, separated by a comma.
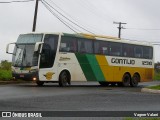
[(62, 58)]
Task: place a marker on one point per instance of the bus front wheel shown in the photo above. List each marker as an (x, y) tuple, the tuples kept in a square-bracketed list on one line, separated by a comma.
[(64, 79), (39, 83), (126, 80), (135, 80)]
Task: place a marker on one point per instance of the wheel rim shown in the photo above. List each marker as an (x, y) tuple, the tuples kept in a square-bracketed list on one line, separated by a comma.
[(64, 79), (135, 80), (126, 80)]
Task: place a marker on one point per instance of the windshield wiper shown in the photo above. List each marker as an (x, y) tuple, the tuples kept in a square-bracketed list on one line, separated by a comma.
[(23, 55), (18, 58)]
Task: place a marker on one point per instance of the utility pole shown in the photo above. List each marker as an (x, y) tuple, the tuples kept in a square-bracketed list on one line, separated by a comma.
[(119, 28), (35, 16)]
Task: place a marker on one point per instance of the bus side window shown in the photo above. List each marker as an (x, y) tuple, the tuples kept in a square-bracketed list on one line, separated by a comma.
[(68, 44), (101, 47), (85, 46), (127, 50), (105, 50), (81, 47), (48, 51), (147, 52), (138, 51), (115, 49), (104, 47), (96, 47)]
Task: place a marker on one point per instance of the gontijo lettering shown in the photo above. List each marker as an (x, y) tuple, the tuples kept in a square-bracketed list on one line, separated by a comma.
[(123, 61)]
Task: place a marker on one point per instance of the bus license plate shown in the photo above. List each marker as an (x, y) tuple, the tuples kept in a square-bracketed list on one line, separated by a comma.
[(21, 75)]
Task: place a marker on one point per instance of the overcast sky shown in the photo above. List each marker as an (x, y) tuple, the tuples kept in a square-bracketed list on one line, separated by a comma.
[(142, 18)]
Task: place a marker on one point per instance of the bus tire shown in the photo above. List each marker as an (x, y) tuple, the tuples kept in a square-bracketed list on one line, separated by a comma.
[(135, 80), (113, 84), (64, 79), (39, 83), (103, 83), (120, 84), (126, 80)]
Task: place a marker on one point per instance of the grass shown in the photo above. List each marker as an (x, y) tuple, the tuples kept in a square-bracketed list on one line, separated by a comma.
[(5, 75), (157, 75), (155, 87), (6, 78)]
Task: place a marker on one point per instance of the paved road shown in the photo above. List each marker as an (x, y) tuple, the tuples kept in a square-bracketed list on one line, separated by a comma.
[(81, 96)]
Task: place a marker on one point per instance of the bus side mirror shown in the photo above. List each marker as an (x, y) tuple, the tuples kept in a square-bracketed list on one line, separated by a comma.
[(37, 46), (7, 48)]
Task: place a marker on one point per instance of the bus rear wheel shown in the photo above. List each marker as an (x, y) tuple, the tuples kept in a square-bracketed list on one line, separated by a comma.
[(120, 84), (113, 84), (104, 83), (135, 80), (39, 83), (126, 80), (64, 79)]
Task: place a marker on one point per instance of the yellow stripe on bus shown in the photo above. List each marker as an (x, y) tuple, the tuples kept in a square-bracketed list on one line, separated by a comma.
[(105, 68), (115, 73)]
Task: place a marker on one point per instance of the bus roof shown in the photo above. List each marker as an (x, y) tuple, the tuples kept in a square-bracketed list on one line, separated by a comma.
[(90, 36), (108, 38), (97, 37)]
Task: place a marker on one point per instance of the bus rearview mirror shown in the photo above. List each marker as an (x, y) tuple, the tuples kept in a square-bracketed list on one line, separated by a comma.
[(7, 48)]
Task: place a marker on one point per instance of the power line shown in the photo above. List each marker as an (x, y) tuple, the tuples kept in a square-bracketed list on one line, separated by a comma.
[(93, 12), (141, 29), (74, 19), (156, 44), (67, 18), (96, 10), (17, 1), (64, 22), (153, 42)]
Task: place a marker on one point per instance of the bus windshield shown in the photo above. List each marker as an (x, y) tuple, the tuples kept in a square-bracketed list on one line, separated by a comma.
[(24, 54)]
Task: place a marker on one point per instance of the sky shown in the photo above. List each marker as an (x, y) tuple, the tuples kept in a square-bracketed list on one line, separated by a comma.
[(96, 16)]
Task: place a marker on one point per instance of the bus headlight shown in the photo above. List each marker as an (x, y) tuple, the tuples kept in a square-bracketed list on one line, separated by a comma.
[(34, 78)]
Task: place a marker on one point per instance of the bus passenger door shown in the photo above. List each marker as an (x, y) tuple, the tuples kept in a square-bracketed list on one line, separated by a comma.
[(47, 64)]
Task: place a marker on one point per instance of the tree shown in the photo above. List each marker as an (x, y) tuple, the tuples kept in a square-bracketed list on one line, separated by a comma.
[(157, 67), (5, 65)]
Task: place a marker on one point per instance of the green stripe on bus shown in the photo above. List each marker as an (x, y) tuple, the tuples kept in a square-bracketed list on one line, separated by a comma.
[(86, 67), (95, 67), (90, 67)]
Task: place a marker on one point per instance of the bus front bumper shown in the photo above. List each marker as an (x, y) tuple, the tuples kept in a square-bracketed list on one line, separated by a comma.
[(26, 76)]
